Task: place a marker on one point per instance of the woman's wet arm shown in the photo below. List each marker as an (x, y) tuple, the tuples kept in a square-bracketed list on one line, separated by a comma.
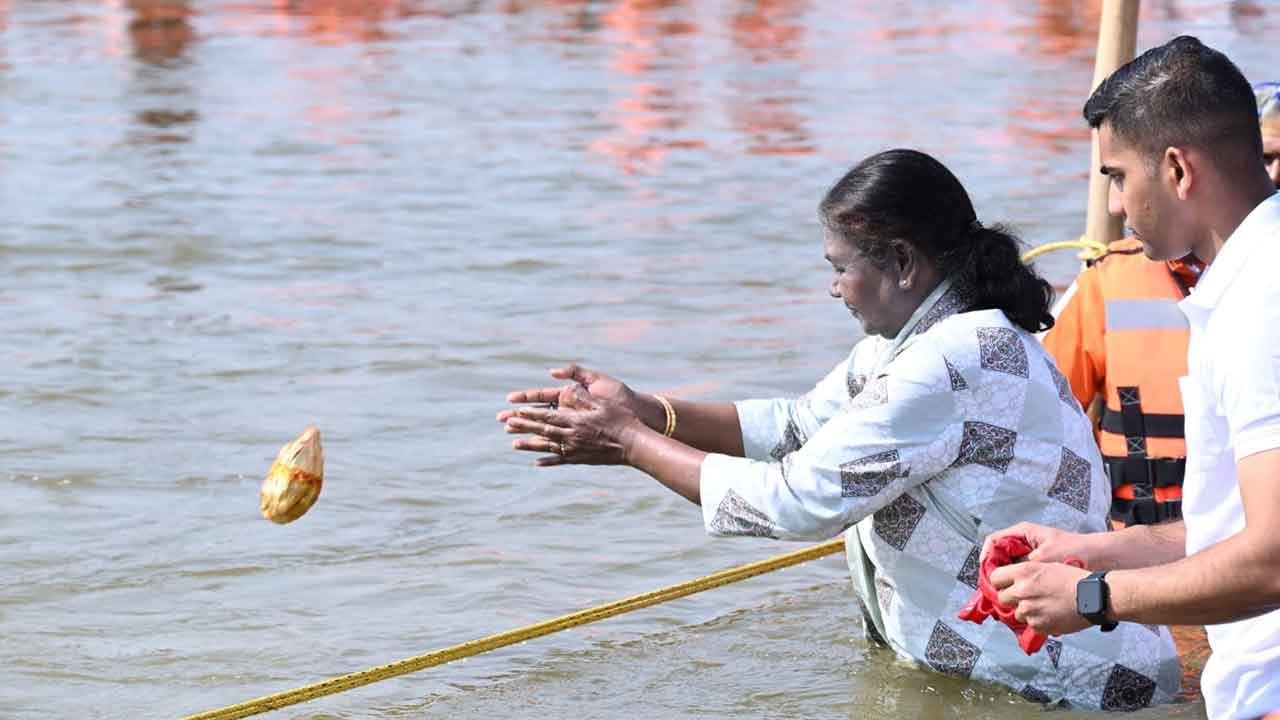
[(671, 462), (709, 427)]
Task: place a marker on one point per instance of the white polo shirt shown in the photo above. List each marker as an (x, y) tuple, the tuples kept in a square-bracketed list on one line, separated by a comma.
[(1231, 397)]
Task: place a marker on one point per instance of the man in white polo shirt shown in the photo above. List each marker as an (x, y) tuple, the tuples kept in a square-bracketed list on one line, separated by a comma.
[(1178, 129)]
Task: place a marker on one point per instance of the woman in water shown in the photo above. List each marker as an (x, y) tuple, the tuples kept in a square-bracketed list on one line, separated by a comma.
[(947, 420)]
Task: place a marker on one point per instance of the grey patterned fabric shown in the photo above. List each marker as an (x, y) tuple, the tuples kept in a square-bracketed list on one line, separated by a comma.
[(1002, 350), (896, 522), (875, 393), (735, 516), (1071, 486), (968, 431), (949, 653), (954, 299), (1064, 386), (1127, 690), (988, 445), (867, 476), (1054, 650), (957, 380), (790, 442), (1031, 693), (969, 571), (855, 384)]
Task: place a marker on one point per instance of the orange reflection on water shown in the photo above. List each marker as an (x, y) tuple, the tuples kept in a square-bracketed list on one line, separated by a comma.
[(1066, 28), (335, 22), (652, 48), (1053, 126), (646, 117), (324, 22), (1049, 34), (934, 31), (772, 127), (771, 31), (160, 30)]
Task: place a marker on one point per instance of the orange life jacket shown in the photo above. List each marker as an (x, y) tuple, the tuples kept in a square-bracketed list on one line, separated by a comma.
[(1121, 335)]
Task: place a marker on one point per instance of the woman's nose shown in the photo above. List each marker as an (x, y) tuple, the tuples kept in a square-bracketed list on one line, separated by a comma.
[(834, 289)]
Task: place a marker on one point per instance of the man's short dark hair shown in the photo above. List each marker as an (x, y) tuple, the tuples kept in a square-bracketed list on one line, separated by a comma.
[(1181, 94)]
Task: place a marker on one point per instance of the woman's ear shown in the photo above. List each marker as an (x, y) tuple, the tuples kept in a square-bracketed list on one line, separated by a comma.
[(907, 263)]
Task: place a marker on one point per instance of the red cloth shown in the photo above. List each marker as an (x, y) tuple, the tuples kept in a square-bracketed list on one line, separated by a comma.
[(985, 602)]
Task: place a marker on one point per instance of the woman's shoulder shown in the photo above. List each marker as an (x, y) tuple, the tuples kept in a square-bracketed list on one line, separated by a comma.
[(865, 353), (975, 340)]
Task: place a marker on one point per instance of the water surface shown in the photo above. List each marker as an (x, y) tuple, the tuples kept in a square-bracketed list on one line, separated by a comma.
[(226, 220)]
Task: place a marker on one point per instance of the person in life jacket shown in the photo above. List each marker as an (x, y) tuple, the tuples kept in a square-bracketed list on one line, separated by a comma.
[(1120, 335), (1269, 117), (1121, 341)]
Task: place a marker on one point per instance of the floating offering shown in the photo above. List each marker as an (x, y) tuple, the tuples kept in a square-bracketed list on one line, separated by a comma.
[(293, 483)]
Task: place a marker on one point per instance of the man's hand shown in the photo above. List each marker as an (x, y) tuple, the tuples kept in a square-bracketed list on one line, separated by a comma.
[(1043, 595), (1051, 545)]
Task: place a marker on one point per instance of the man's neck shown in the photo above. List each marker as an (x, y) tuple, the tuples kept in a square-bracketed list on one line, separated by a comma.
[(1230, 212)]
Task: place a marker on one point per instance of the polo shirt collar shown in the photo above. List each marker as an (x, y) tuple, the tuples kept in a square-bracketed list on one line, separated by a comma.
[(1236, 252)]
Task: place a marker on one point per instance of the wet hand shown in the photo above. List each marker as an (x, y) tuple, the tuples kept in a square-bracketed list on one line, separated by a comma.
[(578, 430), (597, 385), (1043, 595)]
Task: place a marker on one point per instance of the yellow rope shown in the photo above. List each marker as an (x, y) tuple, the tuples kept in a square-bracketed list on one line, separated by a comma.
[(502, 639), (267, 703), (1092, 249)]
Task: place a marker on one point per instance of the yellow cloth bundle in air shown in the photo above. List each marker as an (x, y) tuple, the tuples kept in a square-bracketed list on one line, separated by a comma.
[(293, 483)]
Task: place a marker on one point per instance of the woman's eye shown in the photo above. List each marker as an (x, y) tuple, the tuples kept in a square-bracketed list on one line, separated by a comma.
[(1119, 181)]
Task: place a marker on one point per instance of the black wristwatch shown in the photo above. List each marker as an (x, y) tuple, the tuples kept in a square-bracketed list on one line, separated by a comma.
[(1092, 598)]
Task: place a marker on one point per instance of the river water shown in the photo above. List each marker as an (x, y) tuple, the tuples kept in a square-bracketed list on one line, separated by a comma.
[(224, 220)]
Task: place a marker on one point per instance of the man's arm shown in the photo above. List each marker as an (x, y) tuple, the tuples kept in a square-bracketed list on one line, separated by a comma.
[(1140, 546), (1133, 547), (1235, 579)]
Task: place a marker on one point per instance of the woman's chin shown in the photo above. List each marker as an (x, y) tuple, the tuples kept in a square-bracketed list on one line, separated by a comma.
[(861, 322)]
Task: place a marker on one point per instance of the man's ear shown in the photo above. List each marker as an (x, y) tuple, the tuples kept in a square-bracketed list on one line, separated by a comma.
[(1178, 171)]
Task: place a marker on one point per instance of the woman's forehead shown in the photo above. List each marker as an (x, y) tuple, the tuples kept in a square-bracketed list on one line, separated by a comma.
[(835, 246)]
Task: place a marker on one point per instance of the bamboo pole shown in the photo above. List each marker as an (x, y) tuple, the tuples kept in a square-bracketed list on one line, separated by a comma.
[(1117, 41)]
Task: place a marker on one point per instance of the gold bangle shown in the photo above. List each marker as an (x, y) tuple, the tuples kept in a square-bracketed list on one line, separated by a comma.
[(671, 415)]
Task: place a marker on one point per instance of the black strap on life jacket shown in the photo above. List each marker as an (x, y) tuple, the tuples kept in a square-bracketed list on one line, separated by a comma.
[(1135, 442), (1137, 469), (1160, 472), (1145, 512), (1155, 425)]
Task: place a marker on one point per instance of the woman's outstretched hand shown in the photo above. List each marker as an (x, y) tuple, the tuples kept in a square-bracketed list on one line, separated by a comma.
[(598, 386), (579, 428)]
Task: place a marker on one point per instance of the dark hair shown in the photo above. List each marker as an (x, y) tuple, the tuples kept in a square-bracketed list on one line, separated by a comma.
[(906, 196), (1181, 94)]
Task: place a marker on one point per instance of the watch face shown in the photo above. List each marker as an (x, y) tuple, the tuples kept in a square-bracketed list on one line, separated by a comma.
[(1089, 598)]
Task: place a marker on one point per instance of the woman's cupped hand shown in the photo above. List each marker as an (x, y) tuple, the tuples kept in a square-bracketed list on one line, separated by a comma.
[(588, 421)]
